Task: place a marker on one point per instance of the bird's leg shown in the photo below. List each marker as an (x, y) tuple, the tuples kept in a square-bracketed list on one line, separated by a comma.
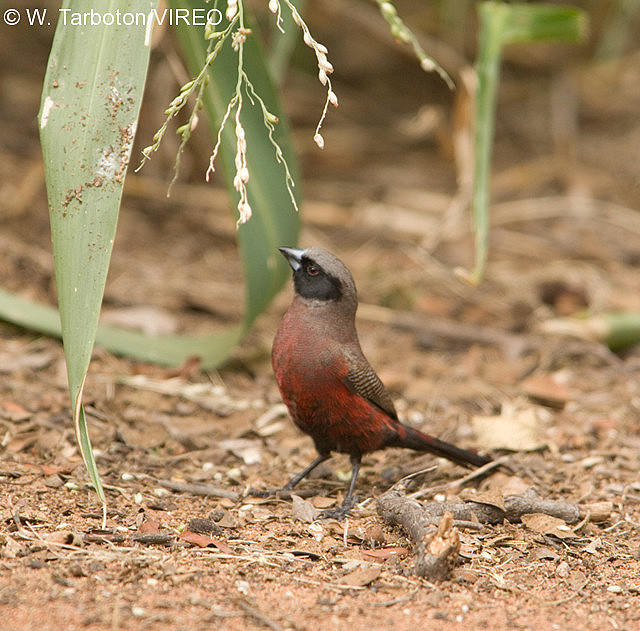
[(305, 472), (291, 483), (347, 504)]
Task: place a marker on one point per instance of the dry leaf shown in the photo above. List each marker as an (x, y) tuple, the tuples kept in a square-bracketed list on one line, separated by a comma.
[(150, 526), (249, 451), (546, 390), (492, 497), (382, 554), (303, 510), (13, 411), (202, 541), (322, 502), (515, 429), (576, 580), (362, 576), (548, 525)]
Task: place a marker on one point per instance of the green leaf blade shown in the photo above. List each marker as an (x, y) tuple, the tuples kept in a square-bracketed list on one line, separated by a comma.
[(88, 118), (502, 24)]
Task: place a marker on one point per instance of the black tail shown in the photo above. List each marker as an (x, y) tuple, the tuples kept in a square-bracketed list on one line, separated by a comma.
[(413, 439)]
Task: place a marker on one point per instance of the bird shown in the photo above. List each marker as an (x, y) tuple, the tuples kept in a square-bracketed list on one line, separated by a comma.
[(329, 388)]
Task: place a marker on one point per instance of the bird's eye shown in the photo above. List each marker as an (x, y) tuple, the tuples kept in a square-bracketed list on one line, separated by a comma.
[(312, 270)]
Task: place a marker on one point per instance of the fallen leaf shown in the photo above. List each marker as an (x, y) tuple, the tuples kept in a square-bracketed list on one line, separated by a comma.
[(546, 390), (362, 577), (383, 554), (48, 469), (576, 580), (13, 411), (303, 510), (322, 502), (64, 537), (202, 541), (548, 525), (249, 451), (515, 429), (150, 526), (492, 497)]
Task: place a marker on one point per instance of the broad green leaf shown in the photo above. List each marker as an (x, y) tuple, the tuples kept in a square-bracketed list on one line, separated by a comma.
[(88, 118), (170, 350), (502, 24)]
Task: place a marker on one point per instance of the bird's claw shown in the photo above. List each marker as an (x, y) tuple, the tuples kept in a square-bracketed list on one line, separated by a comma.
[(338, 513)]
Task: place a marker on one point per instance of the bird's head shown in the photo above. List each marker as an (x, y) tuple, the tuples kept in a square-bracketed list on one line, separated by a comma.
[(320, 277)]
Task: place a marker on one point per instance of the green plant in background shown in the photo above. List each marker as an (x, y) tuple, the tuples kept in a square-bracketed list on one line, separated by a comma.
[(500, 25), (401, 33)]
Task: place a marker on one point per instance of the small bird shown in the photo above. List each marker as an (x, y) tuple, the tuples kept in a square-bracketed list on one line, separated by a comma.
[(331, 391)]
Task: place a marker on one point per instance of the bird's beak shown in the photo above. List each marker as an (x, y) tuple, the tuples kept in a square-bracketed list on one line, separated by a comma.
[(293, 256)]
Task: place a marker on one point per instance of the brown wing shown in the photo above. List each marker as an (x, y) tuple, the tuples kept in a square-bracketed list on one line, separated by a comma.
[(363, 381)]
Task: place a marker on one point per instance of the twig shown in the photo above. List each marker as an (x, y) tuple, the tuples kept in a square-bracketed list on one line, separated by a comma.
[(153, 538), (199, 488), (476, 473), (392, 503), (434, 551)]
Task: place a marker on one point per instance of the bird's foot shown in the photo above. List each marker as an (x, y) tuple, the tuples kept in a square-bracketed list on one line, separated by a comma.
[(339, 513), (261, 492)]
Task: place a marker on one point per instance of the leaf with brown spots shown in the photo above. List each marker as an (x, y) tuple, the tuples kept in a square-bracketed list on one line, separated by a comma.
[(202, 541)]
